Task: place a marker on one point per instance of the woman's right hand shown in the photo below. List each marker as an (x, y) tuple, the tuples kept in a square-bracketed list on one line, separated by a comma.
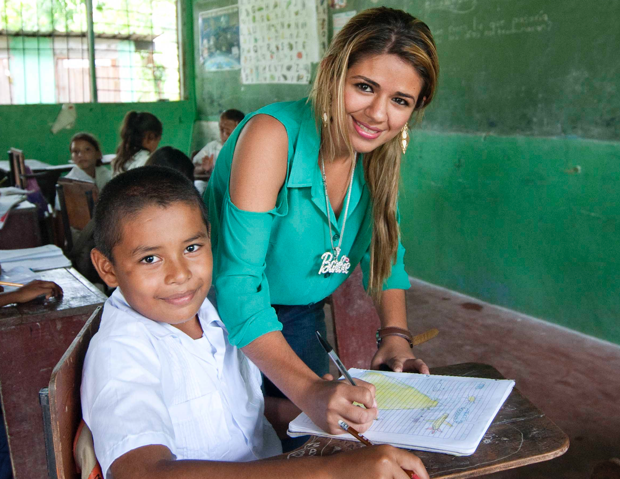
[(377, 462), (328, 402)]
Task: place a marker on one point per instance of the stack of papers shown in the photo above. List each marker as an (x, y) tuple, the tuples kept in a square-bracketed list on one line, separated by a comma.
[(35, 259), (444, 414), (17, 274)]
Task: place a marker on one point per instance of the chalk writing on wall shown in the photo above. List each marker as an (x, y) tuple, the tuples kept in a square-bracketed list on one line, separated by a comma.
[(454, 6), (519, 25), (280, 39)]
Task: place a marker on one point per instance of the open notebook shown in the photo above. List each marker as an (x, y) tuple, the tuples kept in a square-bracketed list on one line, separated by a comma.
[(430, 413)]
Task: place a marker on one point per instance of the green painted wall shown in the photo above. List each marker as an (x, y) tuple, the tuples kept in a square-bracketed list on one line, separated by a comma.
[(510, 187), (27, 127), (532, 224)]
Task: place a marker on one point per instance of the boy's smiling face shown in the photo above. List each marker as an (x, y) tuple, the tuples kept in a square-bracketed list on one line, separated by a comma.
[(163, 264)]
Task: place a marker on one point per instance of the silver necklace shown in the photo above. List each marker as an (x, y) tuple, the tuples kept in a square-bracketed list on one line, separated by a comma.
[(331, 261)]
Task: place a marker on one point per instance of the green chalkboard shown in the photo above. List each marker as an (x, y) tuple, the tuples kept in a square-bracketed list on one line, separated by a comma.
[(508, 67)]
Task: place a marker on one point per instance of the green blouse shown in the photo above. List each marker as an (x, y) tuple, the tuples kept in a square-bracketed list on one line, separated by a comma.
[(260, 259)]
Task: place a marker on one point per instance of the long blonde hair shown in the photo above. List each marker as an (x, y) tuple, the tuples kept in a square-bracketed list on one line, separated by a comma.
[(373, 32)]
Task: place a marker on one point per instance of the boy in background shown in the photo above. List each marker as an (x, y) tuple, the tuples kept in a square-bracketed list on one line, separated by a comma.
[(205, 159), (163, 391)]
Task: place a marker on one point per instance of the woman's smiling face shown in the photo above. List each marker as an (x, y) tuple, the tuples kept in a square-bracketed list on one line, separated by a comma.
[(380, 94)]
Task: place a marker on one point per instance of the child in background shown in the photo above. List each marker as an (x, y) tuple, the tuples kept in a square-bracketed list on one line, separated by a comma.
[(205, 159), (172, 158), (163, 391), (86, 154), (140, 136)]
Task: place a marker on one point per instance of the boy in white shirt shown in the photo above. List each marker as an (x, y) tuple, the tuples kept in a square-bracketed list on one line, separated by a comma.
[(163, 392), (205, 159)]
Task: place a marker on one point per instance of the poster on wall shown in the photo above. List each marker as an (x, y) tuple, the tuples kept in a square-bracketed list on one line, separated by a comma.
[(280, 39), (340, 20), (219, 39)]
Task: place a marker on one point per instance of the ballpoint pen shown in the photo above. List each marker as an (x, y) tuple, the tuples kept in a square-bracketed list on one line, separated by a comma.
[(332, 354)]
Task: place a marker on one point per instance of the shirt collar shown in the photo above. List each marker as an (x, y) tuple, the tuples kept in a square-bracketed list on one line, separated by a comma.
[(306, 155), (207, 314)]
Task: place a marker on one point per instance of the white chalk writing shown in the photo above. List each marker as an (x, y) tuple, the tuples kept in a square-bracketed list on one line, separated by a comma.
[(526, 24)]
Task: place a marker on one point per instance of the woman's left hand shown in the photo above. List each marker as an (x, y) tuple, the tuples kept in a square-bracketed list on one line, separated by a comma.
[(396, 354)]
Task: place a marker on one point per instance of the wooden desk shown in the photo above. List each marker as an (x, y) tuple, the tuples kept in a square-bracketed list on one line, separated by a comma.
[(47, 175), (519, 435), (21, 229), (37, 166), (33, 337)]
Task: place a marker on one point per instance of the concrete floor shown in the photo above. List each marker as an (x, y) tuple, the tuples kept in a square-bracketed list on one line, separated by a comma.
[(573, 378)]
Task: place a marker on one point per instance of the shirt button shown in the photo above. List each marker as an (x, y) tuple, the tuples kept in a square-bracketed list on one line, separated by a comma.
[(336, 237)]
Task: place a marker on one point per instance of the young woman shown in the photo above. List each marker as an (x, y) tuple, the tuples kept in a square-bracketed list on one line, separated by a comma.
[(304, 191)]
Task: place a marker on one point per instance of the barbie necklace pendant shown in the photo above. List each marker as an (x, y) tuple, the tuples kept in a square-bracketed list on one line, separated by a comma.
[(331, 263)]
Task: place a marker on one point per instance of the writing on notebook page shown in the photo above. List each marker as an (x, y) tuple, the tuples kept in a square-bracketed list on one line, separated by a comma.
[(444, 408), (431, 413)]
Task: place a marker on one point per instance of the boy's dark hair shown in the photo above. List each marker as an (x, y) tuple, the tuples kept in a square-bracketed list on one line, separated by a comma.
[(233, 115), (128, 194), (172, 158), (90, 139)]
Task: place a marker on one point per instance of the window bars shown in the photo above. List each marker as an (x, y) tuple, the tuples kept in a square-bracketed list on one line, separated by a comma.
[(44, 51)]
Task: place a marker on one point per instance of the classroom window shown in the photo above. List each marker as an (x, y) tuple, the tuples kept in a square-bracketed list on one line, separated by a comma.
[(44, 51)]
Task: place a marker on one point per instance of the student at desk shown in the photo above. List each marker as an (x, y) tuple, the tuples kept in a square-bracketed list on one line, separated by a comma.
[(304, 191), (87, 157), (86, 154), (205, 159), (163, 391)]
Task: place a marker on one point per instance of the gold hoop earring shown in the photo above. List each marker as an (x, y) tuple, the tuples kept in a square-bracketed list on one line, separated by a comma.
[(325, 119), (404, 138)]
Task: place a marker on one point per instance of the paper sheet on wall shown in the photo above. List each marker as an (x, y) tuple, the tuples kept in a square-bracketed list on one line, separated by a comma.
[(339, 20), (280, 39), (432, 413)]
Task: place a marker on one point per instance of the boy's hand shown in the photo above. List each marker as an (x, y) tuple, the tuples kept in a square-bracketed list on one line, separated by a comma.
[(377, 462), (34, 290), (330, 401), (207, 162), (396, 354)]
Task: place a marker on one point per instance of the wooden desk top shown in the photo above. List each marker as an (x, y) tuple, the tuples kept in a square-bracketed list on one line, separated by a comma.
[(79, 297), (37, 166), (519, 435)]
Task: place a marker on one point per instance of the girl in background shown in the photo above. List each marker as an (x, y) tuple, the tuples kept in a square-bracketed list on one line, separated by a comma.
[(86, 154), (140, 136)]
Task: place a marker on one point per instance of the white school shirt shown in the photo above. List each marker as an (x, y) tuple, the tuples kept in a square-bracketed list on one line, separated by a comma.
[(211, 148), (146, 383), (136, 161)]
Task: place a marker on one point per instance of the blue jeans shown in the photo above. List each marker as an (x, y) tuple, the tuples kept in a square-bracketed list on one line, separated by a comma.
[(299, 324)]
